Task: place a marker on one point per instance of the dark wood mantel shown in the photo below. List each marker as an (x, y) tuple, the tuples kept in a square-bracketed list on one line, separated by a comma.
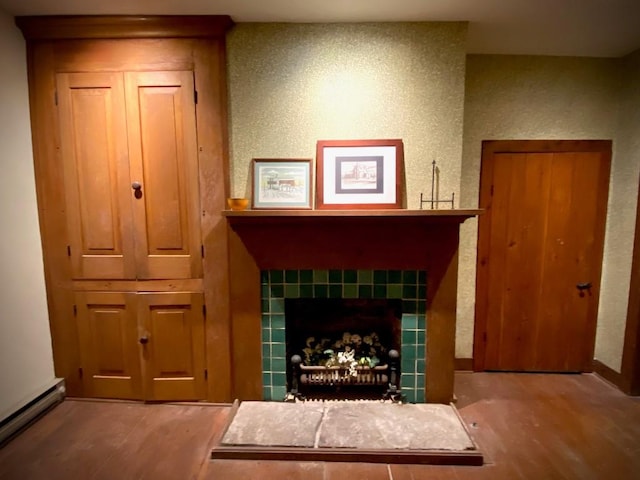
[(344, 239)]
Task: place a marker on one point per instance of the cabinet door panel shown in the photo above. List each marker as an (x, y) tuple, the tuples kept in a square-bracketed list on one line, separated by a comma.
[(108, 331), (96, 173), (163, 149), (174, 359)]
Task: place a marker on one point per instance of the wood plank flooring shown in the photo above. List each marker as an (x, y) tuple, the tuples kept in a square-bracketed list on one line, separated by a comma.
[(528, 426)]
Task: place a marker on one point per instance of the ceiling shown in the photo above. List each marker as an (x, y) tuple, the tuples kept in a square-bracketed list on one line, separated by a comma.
[(595, 28)]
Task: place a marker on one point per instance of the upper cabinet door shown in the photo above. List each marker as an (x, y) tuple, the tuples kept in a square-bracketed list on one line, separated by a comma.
[(95, 161), (164, 174)]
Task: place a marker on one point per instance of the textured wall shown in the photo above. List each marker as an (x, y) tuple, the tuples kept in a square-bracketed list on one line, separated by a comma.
[(26, 361), (621, 224), (519, 97), (293, 84)]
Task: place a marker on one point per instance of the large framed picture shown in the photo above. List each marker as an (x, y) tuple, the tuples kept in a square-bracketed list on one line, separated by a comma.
[(281, 183), (359, 174)]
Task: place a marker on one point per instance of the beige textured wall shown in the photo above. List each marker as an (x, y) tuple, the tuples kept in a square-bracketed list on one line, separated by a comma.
[(519, 97), (293, 84), (621, 225)]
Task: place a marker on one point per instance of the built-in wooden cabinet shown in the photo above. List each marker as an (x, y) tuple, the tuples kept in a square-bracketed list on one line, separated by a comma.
[(129, 151), (129, 131), (147, 346)]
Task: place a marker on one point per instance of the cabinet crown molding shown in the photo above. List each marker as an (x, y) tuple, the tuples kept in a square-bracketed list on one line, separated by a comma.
[(123, 26)]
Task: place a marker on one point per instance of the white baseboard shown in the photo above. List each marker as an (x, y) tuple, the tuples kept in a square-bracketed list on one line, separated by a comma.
[(32, 410)]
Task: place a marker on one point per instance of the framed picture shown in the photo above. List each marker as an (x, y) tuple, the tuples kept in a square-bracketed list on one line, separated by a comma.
[(281, 183), (359, 174)]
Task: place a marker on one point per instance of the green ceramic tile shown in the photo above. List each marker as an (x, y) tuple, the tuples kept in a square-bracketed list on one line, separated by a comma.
[(306, 291), (266, 351), (350, 276), (276, 305), (264, 277), (365, 277), (409, 322), (291, 276), (278, 393), (265, 305), (335, 276), (265, 320), (394, 291), (266, 393), (394, 276), (320, 276), (277, 321), (306, 276), (379, 291), (422, 322), (409, 291), (379, 277), (350, 291), (266, 379), (410, 396), (335, 291), (420, 398), (422, 292), (365, 291), (279, 378), (422, 277), (266, 335), (409, 277), (420, 364), (409, 351), (409, 306), (276, 276), (407, 365), (408, 380), (266, 364), (264, 291), (277, 291), (292, 291), (422, 336), (320, 291), (277, 336), (278, 364), (278, 349)]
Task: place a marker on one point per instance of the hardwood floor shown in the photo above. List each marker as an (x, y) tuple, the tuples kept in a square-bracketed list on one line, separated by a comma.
[(528, 426)]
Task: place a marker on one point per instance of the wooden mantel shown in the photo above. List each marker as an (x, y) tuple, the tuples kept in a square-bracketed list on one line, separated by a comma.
[(344, 239)]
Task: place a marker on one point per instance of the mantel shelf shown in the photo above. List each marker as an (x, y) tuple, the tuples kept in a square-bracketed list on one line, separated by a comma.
[(423, 216)]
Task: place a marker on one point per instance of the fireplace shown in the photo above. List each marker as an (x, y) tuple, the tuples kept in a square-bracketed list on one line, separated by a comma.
[(393, 293), (332, 254)]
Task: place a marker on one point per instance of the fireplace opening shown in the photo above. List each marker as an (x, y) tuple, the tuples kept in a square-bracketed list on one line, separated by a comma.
[(347, 348)]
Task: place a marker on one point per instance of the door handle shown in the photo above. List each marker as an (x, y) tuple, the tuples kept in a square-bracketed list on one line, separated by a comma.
[(144, 340), (583, 286), (137, 189)]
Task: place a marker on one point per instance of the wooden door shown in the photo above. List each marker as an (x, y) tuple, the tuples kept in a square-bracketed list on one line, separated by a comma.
[(164, 165), (93, 147), (108, 337), (172, 325), (540, 244)]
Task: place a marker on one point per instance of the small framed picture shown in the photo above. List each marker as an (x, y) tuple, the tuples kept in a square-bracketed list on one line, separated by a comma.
[(284, 183), (359, 174)]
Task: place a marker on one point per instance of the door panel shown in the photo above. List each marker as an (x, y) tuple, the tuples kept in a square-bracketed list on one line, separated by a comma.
[(542, 233), (163, 149), (94, 155), (174, 360), (107, 331)]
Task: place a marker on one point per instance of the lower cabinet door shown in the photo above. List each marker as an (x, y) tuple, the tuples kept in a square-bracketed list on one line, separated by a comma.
[(172, 345), (142, 346), (107, 333)]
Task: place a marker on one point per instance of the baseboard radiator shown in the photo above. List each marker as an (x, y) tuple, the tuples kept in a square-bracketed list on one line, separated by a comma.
[(30, 412)]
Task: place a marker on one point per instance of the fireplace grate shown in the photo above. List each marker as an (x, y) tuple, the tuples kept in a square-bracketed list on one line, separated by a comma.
[(312, 375)]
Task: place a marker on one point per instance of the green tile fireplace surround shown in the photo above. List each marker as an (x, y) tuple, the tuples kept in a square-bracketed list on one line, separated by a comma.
[(409, 286)]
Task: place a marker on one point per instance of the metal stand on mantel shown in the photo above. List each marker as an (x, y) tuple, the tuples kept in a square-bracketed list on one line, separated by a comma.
[(434, 202)]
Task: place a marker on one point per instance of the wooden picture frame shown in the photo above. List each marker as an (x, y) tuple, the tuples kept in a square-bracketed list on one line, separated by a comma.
[(359, 174), (281, 183)]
